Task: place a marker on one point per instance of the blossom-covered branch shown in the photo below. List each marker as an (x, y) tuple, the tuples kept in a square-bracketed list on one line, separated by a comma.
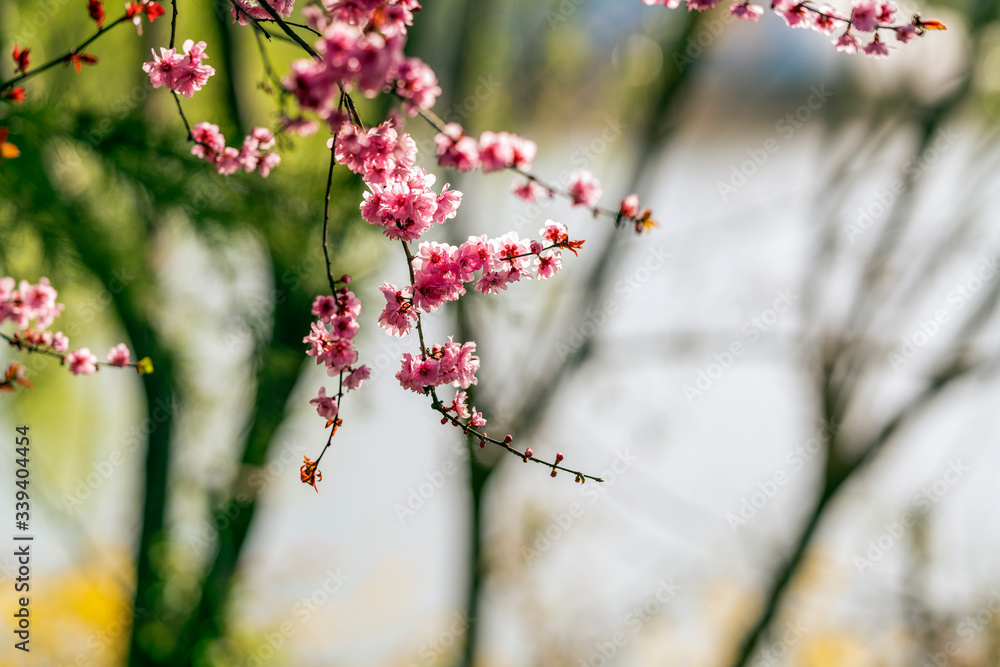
[(867, 16), (28, 305)]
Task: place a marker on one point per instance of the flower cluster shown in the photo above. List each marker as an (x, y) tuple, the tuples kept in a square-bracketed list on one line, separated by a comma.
[(25, 303), (361, 48), (460, 407), (389, 17), (450, 363), (331, 341), (494, 150), (866, 16), (400, 198), (182, 74), (441, 271), (253, 155)]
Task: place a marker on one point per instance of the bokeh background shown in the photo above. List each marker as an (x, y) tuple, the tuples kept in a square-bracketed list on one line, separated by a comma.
[(790, 385)]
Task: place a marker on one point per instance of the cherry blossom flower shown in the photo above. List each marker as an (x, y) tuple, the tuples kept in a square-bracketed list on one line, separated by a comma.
[(630, 206), (584, 189), (547, 265), (499, 150), (459, 407), (906, 33), (886, 13), (529, 190), (847, 43), (60, 343), (326, 406), (877, 48), (746, 11), (182, 74), (357, 376), (825, 21), (81, 362), (119, 355), (417, 85), (864, 16), (334, 347), (455, 149), (398, 316), (210, 145), (450, 363)]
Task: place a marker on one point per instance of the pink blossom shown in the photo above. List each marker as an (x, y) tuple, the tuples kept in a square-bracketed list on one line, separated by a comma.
[(417, 85), (458, 405), (524, 151), (492, 282), (119, 355), (554, 232), (406, 206), (746, 11), (529, 190), (629, 207), (792, 12), (450, 363), (81, 362), (825, 22), (344, 326), (447, 204), (338, 354), (906, 33), (318, 338), (877, 48), (498, 150), (584, 188), (182, 74), (886, 12), (324, 307), (267, 162), (455, 149), (326, 406), (547, 265), (495, 151), (357, 376), (334, 347), (511, 251), (477, 420), (474, 255), (847, 43), (209, 141), (864, 16), (227, 162), (398, 316), (60, 343), (701, 5)]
